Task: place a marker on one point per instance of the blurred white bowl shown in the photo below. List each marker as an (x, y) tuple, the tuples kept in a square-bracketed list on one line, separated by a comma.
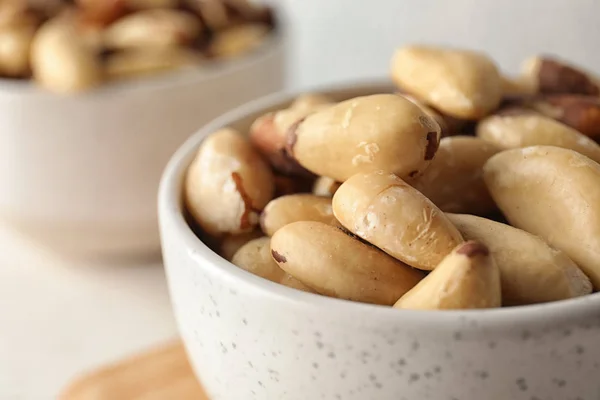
[(80, 173)]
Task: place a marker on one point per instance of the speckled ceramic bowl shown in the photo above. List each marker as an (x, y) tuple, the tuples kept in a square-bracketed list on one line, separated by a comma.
[(249, 338)]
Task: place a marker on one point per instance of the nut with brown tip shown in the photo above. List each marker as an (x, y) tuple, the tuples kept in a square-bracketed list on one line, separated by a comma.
[(367, 133), (543, 74), (336, 264), (227, 184), (530, 270), (467, 278)]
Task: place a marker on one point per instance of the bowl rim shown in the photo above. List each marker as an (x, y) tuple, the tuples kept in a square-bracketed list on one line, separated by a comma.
[(171, 209), (213, 69)]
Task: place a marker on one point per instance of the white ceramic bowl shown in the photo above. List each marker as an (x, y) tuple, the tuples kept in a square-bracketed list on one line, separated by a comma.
[(80, 173), (249, 338)]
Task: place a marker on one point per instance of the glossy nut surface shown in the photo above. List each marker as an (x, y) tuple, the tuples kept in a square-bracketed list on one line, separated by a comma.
[(227, 184), (296, 207), (454, 180), (522, 128), (369, 133), (553, 193), (336, 264), (464, 84), (467, 278), (531, 271), (384, 210)]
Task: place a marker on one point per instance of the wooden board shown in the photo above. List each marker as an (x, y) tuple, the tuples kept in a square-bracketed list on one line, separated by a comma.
[(159, 374)]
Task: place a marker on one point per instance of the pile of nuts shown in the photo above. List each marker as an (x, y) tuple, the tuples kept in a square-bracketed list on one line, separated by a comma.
[(68, 48), (463, 189)]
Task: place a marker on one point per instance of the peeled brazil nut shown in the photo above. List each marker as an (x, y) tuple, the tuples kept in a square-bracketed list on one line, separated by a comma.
[(579, 112), (61, 60), (230, 244), (553, 193), (15, 43), (467, 278), (227, 184), (147, 61), (384, 210), (550, 75), (336, 264), (460, 83), (522, 128), (454, 180), (153, 27), (296, 207), (325, 186), (531, 271), (255, 257), (369, 133)]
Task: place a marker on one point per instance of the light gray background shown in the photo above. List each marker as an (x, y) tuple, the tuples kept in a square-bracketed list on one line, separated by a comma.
[(339, 40)]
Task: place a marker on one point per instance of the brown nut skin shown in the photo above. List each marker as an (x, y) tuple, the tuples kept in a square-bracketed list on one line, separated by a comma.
[(61, 60), (467, 278), (268, 135), (227, 184), (382, 209), (230, 244), (138, 62), (530, 270), (553, 193), (550, 75), (148, 4), (296, 207), (285, 185), (102, 12), (325, 186), (522, 128), (515, 87), (454, 180), (369, 133), (582, 113), (336, 264), (463, 84), (153, 27), (15, 44)]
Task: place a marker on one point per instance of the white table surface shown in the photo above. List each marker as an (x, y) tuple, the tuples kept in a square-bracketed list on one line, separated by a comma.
[(59, 318)]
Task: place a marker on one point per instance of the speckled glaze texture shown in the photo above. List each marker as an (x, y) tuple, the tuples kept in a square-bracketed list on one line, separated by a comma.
[(249, 338)]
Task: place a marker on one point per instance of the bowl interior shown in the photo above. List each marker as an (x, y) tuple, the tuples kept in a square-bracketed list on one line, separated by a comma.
[(171, 208)]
